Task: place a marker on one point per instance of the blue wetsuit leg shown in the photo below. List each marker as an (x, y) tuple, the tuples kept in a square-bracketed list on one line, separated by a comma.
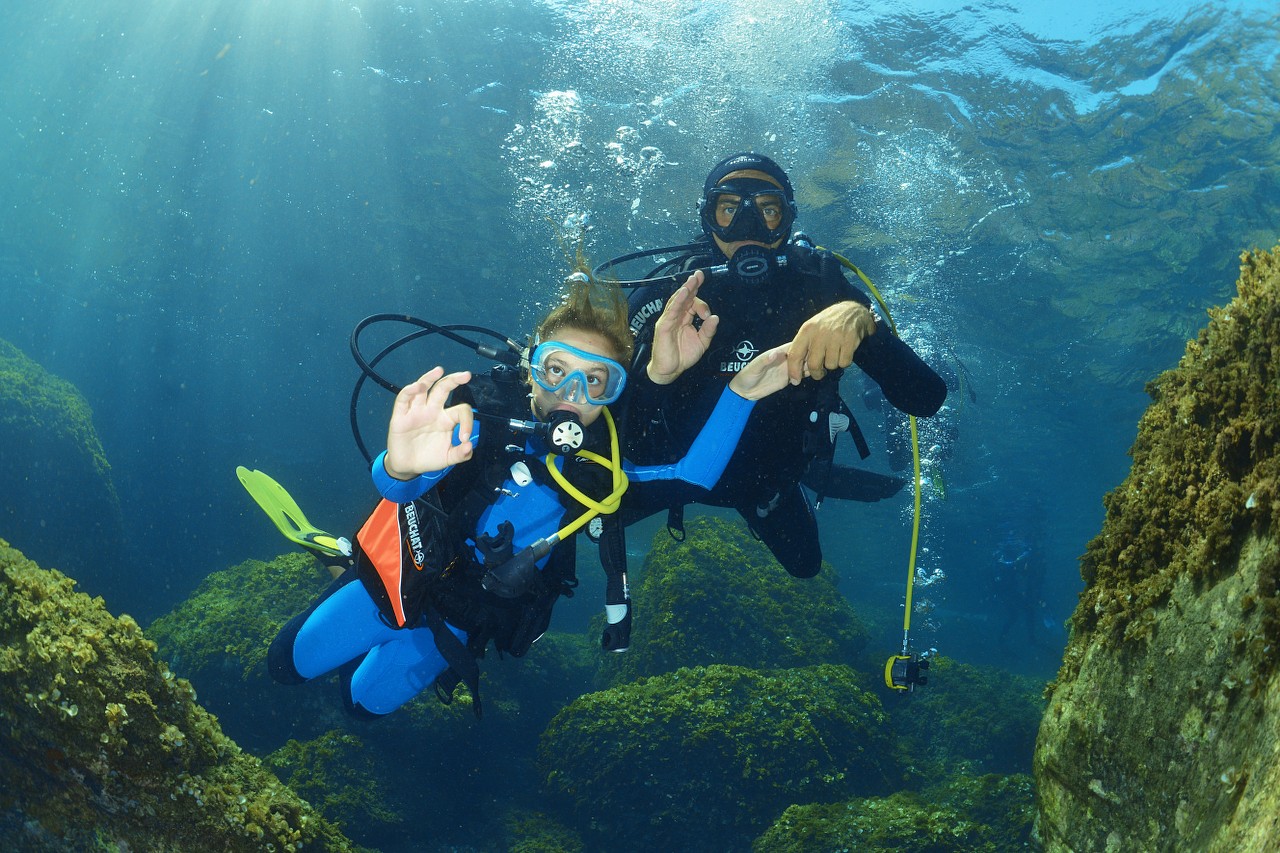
[(398, 664), (396, 671)]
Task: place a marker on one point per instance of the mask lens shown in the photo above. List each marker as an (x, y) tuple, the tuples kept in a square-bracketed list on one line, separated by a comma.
[(747, 209), (726, 207), (769, 208), (576, 376)]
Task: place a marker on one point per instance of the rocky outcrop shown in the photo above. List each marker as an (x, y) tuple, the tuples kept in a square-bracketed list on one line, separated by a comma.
[(103, 748), (717, 596), (703, 758), (1163, 729), (57, 499)]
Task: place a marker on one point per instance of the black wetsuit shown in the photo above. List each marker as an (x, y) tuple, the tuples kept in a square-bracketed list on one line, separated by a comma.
[(788, 429)]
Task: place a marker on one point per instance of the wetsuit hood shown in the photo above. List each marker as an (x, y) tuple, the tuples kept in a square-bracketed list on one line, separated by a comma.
[(748, 160)]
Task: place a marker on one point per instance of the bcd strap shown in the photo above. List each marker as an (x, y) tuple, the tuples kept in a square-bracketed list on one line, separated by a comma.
[(830, 417), (613, 547), (462, 663), (859, 440)]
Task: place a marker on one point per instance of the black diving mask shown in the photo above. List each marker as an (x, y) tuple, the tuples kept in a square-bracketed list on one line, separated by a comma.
[(747, 209)]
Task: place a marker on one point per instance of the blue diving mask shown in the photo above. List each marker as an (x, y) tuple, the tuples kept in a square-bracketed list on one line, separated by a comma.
[(576, 376)]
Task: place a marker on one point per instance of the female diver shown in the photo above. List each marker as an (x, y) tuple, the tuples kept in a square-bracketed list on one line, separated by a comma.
[(448, 564)]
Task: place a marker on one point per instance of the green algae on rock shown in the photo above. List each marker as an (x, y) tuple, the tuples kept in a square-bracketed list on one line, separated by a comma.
[(534, 832), (719, 597), (1161, 733), (338, 775), (704, 757), (969, 719), (54, 471), (218, 639), (234, 614), (974, 814), (103, 745)]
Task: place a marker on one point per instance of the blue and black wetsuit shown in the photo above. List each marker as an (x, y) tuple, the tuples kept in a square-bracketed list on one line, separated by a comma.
[(789, 428), (383, 666)]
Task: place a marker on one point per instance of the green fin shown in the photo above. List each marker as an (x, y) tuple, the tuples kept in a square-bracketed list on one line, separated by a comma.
[(938, 483), (288, 518)]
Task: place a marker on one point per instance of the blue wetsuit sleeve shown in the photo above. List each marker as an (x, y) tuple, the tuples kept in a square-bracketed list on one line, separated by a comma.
[(711, 450), (402, 491), (406, 491)]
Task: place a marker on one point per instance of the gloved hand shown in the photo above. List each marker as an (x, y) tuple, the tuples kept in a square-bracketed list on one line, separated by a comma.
[(617, 634)]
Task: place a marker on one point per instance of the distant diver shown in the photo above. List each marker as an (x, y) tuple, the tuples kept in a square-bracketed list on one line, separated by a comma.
[(1018, 589)]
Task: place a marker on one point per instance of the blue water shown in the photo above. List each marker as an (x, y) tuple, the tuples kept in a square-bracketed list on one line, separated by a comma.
[(201, 199)]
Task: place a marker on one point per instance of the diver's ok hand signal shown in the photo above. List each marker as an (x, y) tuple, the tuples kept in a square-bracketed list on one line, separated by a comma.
[(420, 437), (683, 332)]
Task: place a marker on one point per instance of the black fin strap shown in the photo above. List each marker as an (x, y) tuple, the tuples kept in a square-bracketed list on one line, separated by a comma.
[(859, 440), (675, 522)]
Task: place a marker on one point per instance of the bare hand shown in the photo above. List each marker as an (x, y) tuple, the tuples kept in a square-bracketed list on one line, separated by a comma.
[(763, 375), (828, 340), (677, 342), (420, 435)]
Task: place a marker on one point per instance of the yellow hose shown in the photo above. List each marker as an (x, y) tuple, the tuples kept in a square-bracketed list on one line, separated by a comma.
[(915, 457)]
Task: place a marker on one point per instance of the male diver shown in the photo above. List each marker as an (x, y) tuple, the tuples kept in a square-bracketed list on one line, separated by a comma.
[(775, 288)]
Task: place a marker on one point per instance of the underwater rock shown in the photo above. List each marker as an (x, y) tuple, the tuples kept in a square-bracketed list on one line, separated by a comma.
[(969, 719), (218, 639), (972, 814), (534, 832), (103, 748), (719, 597), (338, 775), (704, 758), (1163, 731), (59, 503)]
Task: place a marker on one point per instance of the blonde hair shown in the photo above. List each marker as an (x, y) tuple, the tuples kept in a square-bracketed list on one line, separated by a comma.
[(591, 305)]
